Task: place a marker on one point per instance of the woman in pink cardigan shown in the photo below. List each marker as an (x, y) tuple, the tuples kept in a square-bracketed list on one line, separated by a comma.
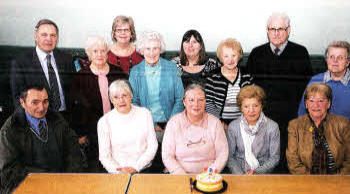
[(194, 139)]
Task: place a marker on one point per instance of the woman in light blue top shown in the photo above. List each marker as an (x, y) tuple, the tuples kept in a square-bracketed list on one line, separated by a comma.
[(253, 139), (156, 85)]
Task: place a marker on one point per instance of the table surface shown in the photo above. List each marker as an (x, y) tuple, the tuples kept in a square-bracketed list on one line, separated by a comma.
[(73, 183), (266, 184), (160, 183)]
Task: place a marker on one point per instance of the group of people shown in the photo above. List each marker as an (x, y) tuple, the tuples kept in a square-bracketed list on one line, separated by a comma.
[(128, 110)]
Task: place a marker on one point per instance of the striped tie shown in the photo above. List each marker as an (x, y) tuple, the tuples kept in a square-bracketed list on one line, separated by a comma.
[(42, 129), (55, 101)]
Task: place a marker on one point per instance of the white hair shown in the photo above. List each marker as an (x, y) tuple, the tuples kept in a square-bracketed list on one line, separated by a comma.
[(148, 36), (95, 40), (276, 15), (117, 86)]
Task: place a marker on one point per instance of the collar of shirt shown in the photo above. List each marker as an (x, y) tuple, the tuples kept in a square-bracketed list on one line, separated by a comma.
[(282, 47), (42, 55), (34, 122), (186, 123), (344, 80)]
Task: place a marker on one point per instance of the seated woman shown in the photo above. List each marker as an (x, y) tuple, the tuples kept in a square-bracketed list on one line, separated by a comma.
[(194, 139), (318, 142), (224, 83), (253, 139), (193, 63), (126, 138), (123, 52), (89, 97)]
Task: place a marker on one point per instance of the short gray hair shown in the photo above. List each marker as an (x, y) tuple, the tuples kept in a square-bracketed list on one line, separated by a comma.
[(192, 87), (95, 40), (119, 85), (276, 15), (339, 44), (147, 36)]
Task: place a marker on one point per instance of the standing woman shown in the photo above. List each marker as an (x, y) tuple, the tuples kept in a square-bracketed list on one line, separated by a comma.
[(89, 97), (123, 52), (193, 63), (156, 84), (224, 84)]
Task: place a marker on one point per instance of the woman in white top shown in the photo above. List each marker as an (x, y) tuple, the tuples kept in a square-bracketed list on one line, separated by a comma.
[(126, 137)]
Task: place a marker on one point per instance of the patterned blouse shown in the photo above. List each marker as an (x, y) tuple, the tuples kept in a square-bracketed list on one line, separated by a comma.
[(199, 77)]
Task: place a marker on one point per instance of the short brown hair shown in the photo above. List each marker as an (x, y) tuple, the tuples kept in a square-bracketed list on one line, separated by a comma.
[(229, 43), (251, 91), (320, 88), (119, 20)]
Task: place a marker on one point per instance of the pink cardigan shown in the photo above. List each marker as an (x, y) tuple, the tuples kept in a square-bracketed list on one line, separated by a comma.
[(189, 148)]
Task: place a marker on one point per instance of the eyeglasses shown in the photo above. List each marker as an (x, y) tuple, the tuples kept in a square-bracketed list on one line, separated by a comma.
[(279, 30), (121, 97), (339, 58), (321, 100), (120, 30)]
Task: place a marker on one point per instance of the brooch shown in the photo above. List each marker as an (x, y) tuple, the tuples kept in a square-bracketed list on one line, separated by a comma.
[(311, 129)]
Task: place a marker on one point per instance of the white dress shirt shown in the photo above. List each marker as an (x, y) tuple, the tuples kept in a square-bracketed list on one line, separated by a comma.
[(43, 61)]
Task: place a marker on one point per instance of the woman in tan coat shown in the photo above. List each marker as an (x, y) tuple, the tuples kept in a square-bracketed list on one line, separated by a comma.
[(319, 142)]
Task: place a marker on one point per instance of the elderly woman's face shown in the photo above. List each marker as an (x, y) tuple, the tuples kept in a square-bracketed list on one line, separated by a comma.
[(122, 101), (151, 52), (191, 47), (122, 33), (251, 109), (230, 58), (194, 102), (317, 105), (98, 54)]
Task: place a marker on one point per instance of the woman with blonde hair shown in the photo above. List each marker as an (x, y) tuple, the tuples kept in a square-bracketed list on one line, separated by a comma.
[(123, 52)]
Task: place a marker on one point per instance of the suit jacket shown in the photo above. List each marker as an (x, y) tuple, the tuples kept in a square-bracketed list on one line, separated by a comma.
[(16, 152), (300, 143), (26, 70)]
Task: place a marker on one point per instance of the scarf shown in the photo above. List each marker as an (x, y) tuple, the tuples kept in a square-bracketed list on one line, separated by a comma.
[(252, 140), (103, 86), (320, 153)]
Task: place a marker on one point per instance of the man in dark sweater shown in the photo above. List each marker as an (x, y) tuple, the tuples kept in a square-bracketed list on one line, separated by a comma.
[(34, 139), (283, 69)]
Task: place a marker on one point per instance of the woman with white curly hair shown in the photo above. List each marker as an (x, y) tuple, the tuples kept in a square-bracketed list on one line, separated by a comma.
[(156, 83)]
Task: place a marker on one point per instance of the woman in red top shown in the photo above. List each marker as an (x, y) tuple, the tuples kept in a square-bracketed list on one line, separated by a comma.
[(122, 52)]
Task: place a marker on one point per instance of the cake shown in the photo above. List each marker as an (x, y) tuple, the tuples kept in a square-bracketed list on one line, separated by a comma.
[(209, 180)]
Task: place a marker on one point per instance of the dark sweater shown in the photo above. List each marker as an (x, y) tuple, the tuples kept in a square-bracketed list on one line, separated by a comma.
[(283, 78), (86, 102)]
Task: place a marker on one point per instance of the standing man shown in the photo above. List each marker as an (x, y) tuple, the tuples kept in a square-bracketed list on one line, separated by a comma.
[(45, 65), (35, 139), (337, 77), (282, 68)]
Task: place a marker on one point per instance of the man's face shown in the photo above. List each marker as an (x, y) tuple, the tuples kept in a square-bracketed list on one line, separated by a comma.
[(36, 103), (46, 37), (278, 31), (337, 60)]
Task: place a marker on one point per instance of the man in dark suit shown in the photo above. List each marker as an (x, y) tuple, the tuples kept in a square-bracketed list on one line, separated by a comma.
[(44, 65), (283, 69)]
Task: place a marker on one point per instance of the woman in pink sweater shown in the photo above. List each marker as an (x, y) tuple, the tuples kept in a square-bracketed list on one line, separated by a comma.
[(194, 139)]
